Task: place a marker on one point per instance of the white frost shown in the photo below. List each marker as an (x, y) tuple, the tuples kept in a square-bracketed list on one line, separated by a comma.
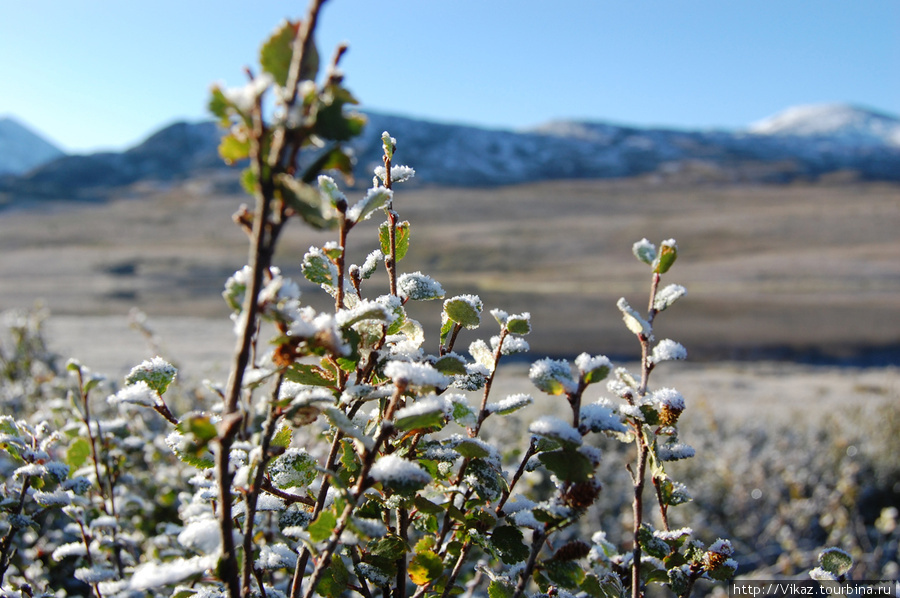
[(416, 374), (555, 428), (391, 469)]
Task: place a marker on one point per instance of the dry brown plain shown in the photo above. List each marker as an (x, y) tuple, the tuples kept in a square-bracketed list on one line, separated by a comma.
[(809, 270)]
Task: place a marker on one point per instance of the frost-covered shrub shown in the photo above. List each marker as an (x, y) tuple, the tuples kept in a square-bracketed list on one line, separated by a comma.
[(345, 454)]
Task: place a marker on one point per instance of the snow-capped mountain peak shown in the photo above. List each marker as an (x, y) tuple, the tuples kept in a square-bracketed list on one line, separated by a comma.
[(840, 122)]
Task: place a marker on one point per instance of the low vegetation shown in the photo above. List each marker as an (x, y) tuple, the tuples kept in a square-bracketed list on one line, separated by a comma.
[(354, 450)]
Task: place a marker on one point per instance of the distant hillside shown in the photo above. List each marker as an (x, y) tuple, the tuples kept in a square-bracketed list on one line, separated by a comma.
[(21, 149), (801, 143)]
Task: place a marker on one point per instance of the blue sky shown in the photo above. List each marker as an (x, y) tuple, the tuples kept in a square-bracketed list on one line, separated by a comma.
[(97, 74)]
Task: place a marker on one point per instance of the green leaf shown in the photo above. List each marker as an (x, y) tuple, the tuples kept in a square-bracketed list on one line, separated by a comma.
[(320, 529), (509, 542), (220, 106), (334, 583), (309, 374), (199, 426), (655, 547), (157, 374), (331, 120), (499, 589), (451, 365), (471, 449), (489, 484), (276, 53), (519, 324), (78, 453), (248, 181), (402, 239), (431, 417), (610, 586), (835, 561), (232, 149), (391, 547), (282, 437), (567, 574), (318, 269), (668, 251), (295, 468), (376, 198), (568, 465), (306, 201), (464, 310), (387, 144), (426, 506), (425, 567)]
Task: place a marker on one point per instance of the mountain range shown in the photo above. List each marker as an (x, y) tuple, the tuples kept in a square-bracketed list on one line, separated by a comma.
[(21, 149), (803, 142)]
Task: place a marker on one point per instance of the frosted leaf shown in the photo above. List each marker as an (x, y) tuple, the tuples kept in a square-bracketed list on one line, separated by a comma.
[(593, 369), (460, 410), (244, 98), (645, 251), (593, 453), (153, 575), (674, 534), (668, 252), (668, 398), (399, 173), (276, 556), (511, 345), (500, 315), (416, 374), (331, 190), (377, 576), (70, 549), (419, 287), (343, 423), (482, 354), (156, 372), (424, 406), (552, 376), (675, 452), (526, 518), (474, 379), (30, 470), (365, 310), (601, 417), (105, 521), (370, 264), (398, 473), (318, 268), (510, 404), (474, 448), (667, 350), (57, 470), (555, 429), (633, 319), (723, 547), (95, 574), (465, 310), (293, 468), (268, 502), (518, 323), (820, 574), (201, 535), (668, 295), (138, 393), (377, 197)]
